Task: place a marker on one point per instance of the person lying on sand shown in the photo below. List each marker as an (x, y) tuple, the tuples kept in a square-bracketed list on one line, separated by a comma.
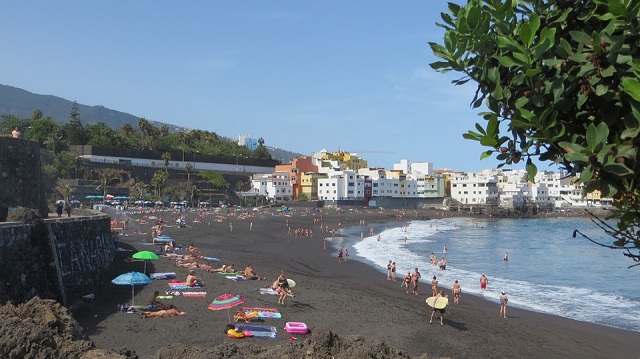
[(224, 269), (249, 273), (187, 264), (163, 313)]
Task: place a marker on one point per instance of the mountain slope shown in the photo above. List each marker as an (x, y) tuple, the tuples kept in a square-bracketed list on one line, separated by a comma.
[(22, 103)]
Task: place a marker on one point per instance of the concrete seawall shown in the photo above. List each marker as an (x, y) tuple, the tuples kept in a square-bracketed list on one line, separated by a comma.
[(57, 258)]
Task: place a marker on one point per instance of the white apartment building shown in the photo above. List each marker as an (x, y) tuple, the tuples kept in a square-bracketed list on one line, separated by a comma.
[(341, 185), (561, 191), (408, 167), (383, 183), (275, 186), (475, 188)]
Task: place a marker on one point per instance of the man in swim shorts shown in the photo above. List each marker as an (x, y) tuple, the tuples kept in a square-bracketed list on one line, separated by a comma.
[(441, 311), (456, 292), (483, 282)]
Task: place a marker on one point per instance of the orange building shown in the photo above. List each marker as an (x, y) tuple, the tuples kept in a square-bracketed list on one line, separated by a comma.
[(296, 168)]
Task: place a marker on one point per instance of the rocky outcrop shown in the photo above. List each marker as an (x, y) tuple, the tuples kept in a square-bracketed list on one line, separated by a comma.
[(43, 329)]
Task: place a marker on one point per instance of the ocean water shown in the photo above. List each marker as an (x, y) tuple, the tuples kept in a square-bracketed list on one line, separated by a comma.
[(548, 270)]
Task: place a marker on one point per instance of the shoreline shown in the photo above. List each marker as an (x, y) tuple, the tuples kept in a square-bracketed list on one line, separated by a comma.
[(348, 298)]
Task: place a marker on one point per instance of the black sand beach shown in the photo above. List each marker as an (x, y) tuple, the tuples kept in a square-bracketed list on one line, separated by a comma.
[(347, 298)]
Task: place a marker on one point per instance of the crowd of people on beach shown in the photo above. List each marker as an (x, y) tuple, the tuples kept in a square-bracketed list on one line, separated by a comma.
[(193, 260)]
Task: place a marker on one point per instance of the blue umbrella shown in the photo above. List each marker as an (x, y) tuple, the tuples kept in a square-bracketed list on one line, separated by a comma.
[(132, 279)]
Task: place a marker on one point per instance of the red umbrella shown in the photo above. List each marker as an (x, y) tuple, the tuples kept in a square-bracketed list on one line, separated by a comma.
[(226, 301)]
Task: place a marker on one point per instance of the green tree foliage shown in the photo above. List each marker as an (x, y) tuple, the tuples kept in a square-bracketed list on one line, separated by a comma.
[(74, 130), (108, 177), (139, 190), (261, 151), (65, 188), (159, 181), (188, 168), (560, 81), (215, 178), (166, 157)]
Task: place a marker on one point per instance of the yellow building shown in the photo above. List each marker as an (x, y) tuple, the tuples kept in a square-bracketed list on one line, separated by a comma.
[(309, 183), (347, 161)]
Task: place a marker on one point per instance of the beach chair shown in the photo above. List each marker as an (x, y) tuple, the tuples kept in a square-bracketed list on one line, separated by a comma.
[(246, 317)]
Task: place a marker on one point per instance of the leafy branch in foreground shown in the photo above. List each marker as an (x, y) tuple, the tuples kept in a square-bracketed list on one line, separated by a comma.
[(560, 81)]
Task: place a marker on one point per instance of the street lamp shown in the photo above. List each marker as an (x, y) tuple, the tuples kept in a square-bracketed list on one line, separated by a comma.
[(182, 156)]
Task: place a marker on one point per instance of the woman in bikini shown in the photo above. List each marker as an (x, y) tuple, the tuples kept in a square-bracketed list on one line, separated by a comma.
[(434, 286), (406, 281)]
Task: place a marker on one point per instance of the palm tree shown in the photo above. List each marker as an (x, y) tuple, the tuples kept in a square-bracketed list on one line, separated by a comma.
[(188, 167), (65, 188), (159, 180), (144, 125), (166, 157), (107, 176)]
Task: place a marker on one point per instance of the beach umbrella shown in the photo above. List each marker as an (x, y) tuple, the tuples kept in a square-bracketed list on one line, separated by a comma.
[(226, 301), (132, 279), (145, 256)]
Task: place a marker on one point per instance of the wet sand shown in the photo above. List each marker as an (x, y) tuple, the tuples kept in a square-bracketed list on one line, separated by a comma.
[(348, 298)]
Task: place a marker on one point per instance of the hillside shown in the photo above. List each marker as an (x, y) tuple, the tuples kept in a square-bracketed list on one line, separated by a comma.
[(22, 103)]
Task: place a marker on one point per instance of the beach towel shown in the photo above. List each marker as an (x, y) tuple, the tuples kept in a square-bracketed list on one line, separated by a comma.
[(164, 297), (201, 266), (211, 259), (238, 278), (166, 275), (268, 291), (263, 313), (194, 294), (259, 331), (181, 285), (231, 273)]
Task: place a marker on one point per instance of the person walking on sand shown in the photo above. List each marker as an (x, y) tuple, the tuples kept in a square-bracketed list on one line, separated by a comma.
[(389, 270), (456, 292), (483, 282), (414, 279), (434, 286), (441, 311), (406, 281), (503, 304)]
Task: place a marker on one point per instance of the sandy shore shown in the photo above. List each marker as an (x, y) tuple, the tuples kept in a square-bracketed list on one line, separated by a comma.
[(348, 298)]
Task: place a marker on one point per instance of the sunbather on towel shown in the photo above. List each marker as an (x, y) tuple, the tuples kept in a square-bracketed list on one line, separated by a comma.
[(233, 332), (187, 264), (154, 303), (163, 313), (224, 269), (193, 281), (249, 273)]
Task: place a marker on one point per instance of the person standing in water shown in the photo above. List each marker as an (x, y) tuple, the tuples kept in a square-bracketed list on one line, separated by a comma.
[(483, 282)]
